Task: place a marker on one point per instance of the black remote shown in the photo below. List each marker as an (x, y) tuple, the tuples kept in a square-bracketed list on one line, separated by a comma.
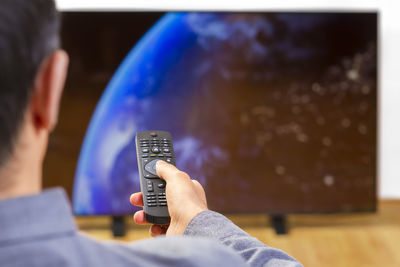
[(152, 146)]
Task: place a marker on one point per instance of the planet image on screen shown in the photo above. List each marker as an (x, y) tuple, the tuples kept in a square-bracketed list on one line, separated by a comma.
[(257, 104)]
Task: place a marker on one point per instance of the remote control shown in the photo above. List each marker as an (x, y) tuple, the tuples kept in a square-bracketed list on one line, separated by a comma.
[(152, 146)]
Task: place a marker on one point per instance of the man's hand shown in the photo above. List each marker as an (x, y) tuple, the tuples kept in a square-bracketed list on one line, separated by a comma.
[(186, 198)]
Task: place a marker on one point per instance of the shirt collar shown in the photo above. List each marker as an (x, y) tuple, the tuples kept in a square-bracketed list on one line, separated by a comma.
[(47, 213)]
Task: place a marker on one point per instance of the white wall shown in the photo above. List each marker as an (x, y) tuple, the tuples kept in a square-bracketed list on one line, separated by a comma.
[(389, 114)]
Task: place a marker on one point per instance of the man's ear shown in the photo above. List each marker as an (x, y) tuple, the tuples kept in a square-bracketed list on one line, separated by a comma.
[(48, 88)]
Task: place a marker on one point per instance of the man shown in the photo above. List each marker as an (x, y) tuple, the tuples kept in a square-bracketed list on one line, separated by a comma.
[(37, 228)]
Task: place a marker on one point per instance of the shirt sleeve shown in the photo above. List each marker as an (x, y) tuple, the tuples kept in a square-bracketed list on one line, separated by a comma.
[(216, 226)]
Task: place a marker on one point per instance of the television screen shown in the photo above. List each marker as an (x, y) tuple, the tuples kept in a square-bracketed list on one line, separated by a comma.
[(271, 112)]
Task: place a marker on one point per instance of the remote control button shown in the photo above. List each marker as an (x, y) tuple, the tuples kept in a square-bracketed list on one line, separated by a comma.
[(153, 134), (144, 145), (166, 150), (161, 184), (151, 167), (151, 194), (155, 149), (160, 155), (153, 155), (152, 204), (145, 150), (163, 204), (151, 201), (145, 155), (161, 194), (145, 161), (150, 186), (150, 176), (169, 160), (168, 155)]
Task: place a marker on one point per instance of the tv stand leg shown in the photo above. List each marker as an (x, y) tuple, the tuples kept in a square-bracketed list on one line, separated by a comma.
[(279, 224), (118, 226)]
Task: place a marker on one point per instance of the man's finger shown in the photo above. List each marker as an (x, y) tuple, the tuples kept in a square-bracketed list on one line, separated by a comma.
[(139, 217), (168, 172), (157, 230), (136, 199)]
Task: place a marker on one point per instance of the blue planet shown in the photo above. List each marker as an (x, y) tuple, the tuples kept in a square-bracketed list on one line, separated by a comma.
[(242, 96)]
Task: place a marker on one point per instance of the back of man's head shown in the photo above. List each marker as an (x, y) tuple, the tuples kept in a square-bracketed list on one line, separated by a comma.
[(28, 33)]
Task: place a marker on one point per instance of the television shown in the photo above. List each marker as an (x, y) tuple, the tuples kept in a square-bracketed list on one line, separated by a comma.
[(272, 112)]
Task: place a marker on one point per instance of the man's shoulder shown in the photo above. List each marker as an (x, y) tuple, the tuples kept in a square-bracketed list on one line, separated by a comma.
[(172, 250)]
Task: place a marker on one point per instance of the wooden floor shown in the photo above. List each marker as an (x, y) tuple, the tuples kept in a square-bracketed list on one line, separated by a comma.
[(315, 240)]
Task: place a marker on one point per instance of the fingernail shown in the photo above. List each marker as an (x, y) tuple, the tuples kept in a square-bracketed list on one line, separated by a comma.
[(159, 162)]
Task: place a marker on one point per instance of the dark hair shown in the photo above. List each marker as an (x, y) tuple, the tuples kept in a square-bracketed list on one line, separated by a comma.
[(29, 32)]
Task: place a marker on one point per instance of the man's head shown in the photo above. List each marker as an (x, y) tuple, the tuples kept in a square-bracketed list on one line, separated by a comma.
[(32, 74)]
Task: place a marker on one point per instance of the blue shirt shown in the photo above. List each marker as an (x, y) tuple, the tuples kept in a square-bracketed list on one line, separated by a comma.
[(40, 230)]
